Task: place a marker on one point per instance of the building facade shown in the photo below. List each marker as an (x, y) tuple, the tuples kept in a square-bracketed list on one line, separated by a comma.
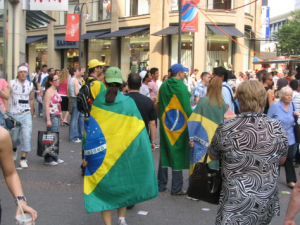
[(140, 34)]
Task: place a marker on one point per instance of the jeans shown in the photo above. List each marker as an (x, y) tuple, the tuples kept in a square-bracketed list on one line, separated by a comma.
[(41, 108), (55, 120), (2, 122), (76, 124), (26, 129), (295, 151), (162, 177)]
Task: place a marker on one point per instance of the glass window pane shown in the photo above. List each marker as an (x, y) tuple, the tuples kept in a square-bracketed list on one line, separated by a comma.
[(100, 49), (220, 4)]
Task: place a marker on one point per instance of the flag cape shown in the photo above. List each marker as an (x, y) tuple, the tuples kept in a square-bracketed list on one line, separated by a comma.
[(120, 169), (202, 125), (174, 111)]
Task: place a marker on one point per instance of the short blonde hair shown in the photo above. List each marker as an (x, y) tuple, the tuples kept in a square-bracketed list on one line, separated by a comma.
[(285, 90), (252, 96)]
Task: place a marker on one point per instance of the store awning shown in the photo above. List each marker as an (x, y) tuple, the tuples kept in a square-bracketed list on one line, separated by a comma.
[(93, 34), (123, 32), (36, 19), (167, 31), (230, 30), (34, 39), (277, 61)]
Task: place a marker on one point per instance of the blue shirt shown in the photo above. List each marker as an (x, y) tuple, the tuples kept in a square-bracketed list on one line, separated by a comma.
[(226, 94), (200, 90), (278, 111)]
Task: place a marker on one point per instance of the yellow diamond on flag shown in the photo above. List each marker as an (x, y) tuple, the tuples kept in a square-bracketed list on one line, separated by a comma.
[(174, 120)]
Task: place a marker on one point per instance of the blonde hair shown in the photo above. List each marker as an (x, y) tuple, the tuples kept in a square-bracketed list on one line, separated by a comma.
[(285, 90), (252, 96), (214, 92), (64, 75)]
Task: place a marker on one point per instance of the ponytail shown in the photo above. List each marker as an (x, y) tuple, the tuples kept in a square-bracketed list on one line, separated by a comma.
[(112, 92), (47, 84)]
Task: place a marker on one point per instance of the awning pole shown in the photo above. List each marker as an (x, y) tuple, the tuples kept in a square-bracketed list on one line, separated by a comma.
[(179, 30)]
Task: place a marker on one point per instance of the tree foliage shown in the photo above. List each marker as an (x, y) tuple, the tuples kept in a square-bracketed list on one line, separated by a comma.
[(288, 36)]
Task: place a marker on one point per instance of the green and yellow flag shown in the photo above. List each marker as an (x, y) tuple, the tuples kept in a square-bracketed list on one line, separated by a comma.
[(174, 111), (120, 169)]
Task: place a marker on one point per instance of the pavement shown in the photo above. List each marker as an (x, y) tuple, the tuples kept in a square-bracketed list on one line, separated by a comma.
[(56, 192)]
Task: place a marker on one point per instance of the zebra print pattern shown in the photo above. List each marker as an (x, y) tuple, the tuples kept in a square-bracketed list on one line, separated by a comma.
[(250, 147)]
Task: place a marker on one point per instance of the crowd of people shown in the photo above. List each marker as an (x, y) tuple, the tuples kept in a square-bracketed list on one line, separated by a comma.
[(250, 146)]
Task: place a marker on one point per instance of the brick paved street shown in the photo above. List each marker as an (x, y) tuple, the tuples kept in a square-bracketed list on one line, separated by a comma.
[(56, 193)]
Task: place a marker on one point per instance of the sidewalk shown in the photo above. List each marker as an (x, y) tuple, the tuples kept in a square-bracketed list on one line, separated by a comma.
[(56, 192)]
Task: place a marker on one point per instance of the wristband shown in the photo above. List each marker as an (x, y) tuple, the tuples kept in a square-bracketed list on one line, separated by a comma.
[(20, 198)]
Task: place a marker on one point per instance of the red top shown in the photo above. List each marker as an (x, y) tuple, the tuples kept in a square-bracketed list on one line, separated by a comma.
[(62, 88)]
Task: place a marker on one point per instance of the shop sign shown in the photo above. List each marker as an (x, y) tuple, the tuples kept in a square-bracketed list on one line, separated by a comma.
[(189, 17), (46, 5), (72, 27), (61, 43)]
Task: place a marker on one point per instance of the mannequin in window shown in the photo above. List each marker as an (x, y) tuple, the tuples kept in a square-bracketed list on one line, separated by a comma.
[(108, 11)]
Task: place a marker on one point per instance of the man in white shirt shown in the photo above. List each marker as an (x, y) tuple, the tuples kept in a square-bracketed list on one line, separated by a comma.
[(146, 78), (41, 77)]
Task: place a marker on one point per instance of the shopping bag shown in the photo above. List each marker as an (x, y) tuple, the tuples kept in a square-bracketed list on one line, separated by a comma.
[(48, 143)]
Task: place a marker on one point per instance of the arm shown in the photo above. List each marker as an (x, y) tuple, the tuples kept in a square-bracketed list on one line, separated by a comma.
[(270, 97), (214, 158), (196, 99), (31, 99), (152, 133), (47, 103), (10, 174), (5, 93), (282, 160), (294, 205), (76, 86)]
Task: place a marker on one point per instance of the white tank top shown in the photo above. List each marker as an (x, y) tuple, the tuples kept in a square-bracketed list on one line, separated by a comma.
[(20, 94)]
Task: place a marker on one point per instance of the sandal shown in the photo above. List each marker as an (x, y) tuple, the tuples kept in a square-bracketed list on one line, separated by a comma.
[(66, 123)]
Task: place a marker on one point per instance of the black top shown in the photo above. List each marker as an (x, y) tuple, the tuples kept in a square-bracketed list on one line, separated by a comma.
[(145, 106), (267, 102), (282, 82)]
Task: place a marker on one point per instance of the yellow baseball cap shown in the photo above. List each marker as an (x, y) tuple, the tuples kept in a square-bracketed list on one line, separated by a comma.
[(93, 63)]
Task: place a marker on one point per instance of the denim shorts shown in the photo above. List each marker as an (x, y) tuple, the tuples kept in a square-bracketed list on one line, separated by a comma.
[(26, 129)]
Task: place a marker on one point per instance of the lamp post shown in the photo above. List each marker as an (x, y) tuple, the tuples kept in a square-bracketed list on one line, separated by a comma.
[(179, 30), (78, 8)]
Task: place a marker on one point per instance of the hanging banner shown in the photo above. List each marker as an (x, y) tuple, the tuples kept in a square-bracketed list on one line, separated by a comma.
[(72, 27), (46, 5), (189, 17)]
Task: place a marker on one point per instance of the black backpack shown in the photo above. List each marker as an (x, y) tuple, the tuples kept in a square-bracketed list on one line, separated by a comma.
[(85, 98)]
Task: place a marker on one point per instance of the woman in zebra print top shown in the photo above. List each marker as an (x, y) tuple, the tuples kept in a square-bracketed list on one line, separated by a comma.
[(251, 147)]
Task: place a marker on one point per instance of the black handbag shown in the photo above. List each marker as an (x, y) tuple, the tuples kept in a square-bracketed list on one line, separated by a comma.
[(48, 143), (296, 127), (205, 183)]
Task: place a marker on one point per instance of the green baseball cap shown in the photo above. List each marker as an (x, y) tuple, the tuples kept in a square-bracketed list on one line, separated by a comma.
[(113, 75)]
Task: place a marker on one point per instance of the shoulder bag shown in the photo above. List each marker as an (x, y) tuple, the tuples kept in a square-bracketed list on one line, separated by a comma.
[(205, 183), (296, 127)]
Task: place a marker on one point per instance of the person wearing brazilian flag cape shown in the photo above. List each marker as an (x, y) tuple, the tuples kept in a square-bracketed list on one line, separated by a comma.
[(118, 157), (174, 111)]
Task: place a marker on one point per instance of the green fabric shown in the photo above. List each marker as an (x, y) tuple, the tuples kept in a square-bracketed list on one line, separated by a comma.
[(177, 155)]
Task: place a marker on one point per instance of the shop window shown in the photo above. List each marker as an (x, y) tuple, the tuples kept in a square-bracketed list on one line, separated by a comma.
[(187, 40), (135, 52), (219, 51), (247, 7), (137, 7), (72, 57), (41, 50), (100, 49), (220, 4), (104, 12)]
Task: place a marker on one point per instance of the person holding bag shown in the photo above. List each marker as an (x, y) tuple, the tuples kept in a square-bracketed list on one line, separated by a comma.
[(53, 112), (284, 111), (251, 147)]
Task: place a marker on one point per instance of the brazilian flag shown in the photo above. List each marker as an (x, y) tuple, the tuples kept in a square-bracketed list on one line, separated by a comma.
[(120, 169), (202, 125), (174, 111)]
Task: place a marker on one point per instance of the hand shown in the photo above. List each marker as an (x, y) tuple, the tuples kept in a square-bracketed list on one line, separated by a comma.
[(49, 124), (84, 163), (191, 143), (26, 209), (41, 93), (296, 113), (153, 147), (290, 222)]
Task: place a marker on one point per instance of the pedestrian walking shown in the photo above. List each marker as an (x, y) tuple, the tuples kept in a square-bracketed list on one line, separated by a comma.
[(40, 79), (63, 92), (118, 173), (283, 110), (52, 112), (22, 109), (146, 78), (201, 88), (267, 81), (250, 146), (174, 111)]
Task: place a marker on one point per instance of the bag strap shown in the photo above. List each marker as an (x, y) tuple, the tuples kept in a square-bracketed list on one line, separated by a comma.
[(295, 117), (205, 158), (232, 99)]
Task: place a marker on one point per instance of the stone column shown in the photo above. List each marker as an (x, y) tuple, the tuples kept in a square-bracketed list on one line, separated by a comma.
[(115, 51), (238, 64), (200, 44), (54, 56), (155, 45), (165, 40)]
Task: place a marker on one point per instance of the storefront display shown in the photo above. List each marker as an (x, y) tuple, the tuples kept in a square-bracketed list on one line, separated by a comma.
[(135, 52), (219, 51), (100, 49), (41, 49)]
